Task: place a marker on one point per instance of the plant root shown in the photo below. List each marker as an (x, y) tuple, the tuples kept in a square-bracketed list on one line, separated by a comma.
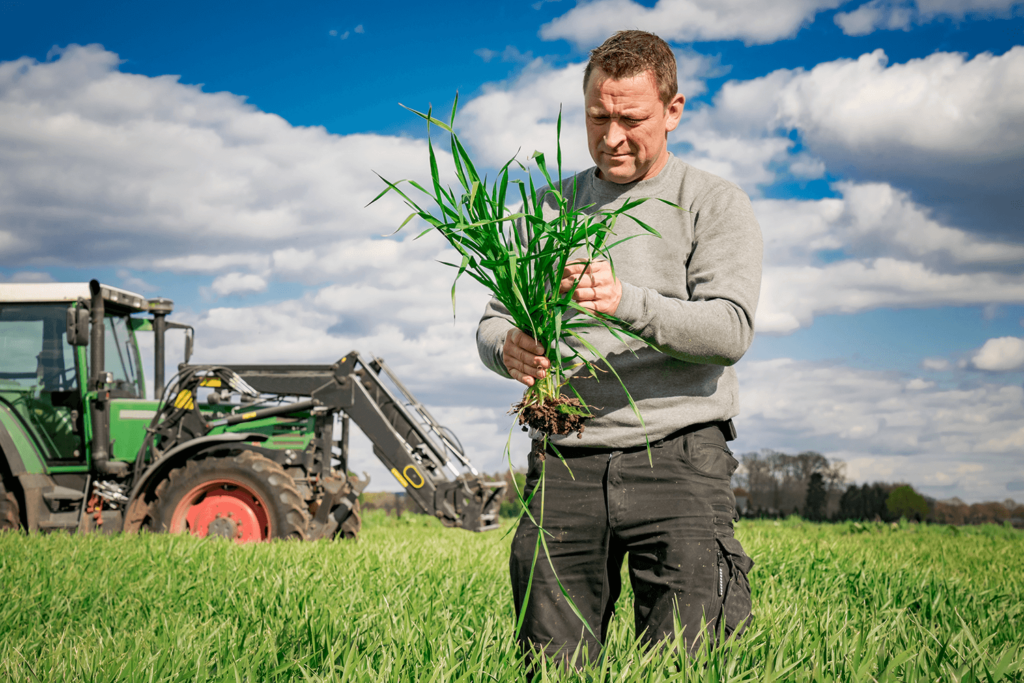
[(555, 416)]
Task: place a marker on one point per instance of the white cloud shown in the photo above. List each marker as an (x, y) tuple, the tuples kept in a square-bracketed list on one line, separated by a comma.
[(936, 364), (1001, 354), (685, 21), (885, 426), (902, 14), (27, 276), (894, 255), (944, 127), (121, 168), (238, 283)]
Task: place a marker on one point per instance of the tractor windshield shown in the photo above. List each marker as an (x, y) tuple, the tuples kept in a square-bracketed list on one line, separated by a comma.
[(120, 358)]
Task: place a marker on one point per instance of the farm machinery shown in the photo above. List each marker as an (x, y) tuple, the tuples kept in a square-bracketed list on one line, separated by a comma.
[(246, 452)]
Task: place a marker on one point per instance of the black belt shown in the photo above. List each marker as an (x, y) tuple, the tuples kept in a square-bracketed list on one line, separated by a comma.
[(726, 426)]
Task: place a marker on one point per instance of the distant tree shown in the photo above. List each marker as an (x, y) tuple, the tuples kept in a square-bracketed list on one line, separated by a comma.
[(904, 501), (866, 502), (814, 507), (778, 482), (988, 513)]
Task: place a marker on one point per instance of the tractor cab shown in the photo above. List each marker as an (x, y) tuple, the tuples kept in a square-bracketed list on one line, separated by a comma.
[(68, 357)]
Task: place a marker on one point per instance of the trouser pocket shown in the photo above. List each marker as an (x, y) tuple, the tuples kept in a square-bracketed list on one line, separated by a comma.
[(733, 586)]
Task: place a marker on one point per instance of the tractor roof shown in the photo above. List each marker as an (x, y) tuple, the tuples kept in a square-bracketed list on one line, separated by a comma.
[(70, 292)]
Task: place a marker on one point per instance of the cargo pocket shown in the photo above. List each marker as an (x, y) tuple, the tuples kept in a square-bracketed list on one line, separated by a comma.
[(734, 586), (707, 453)]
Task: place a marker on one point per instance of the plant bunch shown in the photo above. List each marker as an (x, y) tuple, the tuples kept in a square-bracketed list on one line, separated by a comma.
[(519, 256)]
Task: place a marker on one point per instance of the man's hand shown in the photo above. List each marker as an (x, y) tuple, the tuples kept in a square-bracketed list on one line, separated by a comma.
[(524, 357), (598, 289)]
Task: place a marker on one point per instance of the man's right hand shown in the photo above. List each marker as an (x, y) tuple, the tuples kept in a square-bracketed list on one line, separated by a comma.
[(524, 357)]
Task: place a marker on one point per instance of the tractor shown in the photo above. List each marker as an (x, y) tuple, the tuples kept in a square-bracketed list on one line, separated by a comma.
[(244, 452)]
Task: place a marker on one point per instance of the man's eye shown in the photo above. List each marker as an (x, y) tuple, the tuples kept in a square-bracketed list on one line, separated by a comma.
[(633, 122)]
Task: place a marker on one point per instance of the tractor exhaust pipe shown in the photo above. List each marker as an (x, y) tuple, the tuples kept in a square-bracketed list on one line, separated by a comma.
[(160, 308), (98, 383)]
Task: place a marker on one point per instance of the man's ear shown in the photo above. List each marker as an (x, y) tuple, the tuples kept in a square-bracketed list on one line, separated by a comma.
[(675, 112)]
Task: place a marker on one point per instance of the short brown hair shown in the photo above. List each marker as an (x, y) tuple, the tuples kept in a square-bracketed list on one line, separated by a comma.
[(629, 53)]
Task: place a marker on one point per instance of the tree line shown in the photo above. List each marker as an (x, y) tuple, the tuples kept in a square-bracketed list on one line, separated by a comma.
[(775, 484)]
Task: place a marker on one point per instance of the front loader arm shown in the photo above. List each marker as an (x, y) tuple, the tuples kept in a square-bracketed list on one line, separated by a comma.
[(403, 443)]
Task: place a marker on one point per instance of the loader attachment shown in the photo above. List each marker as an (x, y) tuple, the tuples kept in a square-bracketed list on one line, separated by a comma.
[(424, 457)]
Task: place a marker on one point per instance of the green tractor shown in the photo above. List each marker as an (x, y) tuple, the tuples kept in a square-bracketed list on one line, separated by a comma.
[(245, 452)]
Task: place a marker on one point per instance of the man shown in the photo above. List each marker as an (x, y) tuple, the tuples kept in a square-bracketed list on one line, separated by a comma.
[(692, 295)]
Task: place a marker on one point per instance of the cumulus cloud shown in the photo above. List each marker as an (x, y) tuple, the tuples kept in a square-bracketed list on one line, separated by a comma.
[(936, 364), (902, 14), (946, 128), (894, 255), (238, 283), (884, 424), (1000, 354), (685, 21), (121, 167)]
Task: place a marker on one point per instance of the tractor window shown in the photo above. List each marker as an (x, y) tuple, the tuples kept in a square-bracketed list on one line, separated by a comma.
[(34, 352), (120, 358), (38, 378)]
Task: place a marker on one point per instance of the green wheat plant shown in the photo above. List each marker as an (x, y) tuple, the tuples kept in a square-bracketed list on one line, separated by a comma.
[(519, 255)]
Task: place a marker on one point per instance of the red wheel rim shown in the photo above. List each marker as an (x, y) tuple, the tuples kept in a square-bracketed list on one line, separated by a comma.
[(222, 508)]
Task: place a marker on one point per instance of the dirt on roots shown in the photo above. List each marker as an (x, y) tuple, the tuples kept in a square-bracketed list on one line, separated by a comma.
[(556, 416)]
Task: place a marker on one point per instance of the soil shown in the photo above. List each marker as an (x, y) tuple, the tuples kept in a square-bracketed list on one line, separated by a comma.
[(556, 416)]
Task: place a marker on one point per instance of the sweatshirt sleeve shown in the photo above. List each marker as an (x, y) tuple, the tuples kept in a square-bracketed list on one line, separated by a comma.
[(490, 336), (715, 324)]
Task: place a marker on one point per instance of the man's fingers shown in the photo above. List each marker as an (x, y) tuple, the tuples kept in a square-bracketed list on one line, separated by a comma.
[(524, 357), (526, 342)]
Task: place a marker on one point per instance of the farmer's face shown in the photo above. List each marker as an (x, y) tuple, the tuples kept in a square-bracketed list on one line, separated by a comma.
[(628, 126)]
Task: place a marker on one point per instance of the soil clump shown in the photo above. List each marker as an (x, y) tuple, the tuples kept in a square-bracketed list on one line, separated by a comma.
[(555, 416)]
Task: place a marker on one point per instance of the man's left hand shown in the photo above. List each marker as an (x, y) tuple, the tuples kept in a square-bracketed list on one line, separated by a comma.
[(599, 290)]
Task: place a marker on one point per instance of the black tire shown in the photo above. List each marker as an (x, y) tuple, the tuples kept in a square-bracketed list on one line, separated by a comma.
[(246, 471), (10, 511), (349, 529)]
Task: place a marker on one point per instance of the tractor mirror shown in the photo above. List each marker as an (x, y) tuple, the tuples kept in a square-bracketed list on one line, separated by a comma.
[(188, 345), (78, 326)]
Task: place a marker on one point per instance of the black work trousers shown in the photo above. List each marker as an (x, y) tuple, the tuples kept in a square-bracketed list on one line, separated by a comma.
[(671, 513)]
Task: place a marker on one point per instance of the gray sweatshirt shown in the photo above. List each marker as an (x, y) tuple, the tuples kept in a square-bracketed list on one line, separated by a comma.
[(692, 293)]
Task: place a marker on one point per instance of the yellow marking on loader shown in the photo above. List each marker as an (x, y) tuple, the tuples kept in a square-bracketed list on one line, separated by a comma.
[(210, 382), (248, 416), (399, 477), (184, 400), (419, 477)]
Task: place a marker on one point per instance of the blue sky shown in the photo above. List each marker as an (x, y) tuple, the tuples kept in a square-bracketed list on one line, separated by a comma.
[(220, 154)]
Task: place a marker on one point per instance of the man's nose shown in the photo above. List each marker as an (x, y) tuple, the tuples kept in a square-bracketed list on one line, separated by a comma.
[(615, 135)]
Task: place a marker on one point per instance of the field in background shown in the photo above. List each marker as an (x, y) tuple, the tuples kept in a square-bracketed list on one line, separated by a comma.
[(412, 601)]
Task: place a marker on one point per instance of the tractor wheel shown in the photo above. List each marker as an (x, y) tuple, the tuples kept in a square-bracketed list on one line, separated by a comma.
[(349, 529), (10, 511), (244, 497)]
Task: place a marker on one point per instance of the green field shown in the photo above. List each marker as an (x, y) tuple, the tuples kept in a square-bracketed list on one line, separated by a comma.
[(412, 601)]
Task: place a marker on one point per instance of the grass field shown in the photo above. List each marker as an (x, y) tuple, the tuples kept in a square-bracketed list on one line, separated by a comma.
[(412, 601)]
